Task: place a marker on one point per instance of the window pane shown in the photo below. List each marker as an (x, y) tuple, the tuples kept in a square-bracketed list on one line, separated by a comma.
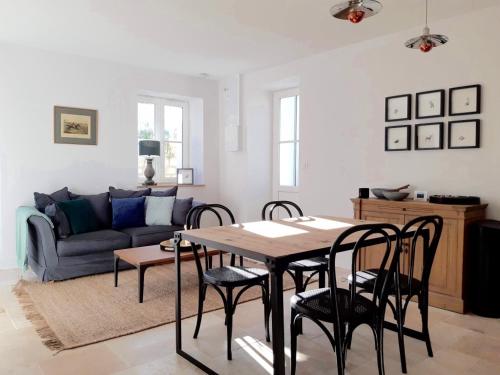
[(298, 118), (287, 119), (173, 123), (287, 164), (296, 182), (173, 159), (146, 120)]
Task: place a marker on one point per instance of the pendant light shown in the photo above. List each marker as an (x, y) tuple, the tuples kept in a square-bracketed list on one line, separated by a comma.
[(356, 10), (426, 41)]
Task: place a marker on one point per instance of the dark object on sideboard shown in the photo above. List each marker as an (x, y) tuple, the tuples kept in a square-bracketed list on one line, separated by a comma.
[(454, 199), (485, 258)]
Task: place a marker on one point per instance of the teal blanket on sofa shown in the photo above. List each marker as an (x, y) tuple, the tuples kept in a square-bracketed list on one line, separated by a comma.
[(23, 213)]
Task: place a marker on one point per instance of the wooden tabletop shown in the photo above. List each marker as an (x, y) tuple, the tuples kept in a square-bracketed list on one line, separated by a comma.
[(289, 238), (153, 255)]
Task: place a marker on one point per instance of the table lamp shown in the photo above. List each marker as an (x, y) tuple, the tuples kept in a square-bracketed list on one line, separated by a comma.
[(149, 149)]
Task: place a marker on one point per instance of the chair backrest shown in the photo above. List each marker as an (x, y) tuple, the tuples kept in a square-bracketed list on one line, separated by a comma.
[(366, 235), (288, 206), (428, 233), (194, 217)]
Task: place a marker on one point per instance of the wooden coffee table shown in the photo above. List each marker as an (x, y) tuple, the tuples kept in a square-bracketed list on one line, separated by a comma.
[(147, 256)]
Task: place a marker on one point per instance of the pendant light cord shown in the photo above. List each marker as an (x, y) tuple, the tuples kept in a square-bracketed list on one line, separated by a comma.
[(426, 12)]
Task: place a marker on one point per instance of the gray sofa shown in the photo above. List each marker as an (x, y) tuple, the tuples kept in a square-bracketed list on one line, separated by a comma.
[(52, 257), (87, 253)]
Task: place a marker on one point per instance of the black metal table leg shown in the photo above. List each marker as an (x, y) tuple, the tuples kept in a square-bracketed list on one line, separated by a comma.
[(141, 270), (117, 261), (278, 335), (299, 288)]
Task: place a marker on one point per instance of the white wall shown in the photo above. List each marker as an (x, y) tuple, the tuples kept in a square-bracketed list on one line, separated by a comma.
[(34, 81), (342, 120)]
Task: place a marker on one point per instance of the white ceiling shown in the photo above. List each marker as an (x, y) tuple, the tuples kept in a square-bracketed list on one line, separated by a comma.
[(217, 37)]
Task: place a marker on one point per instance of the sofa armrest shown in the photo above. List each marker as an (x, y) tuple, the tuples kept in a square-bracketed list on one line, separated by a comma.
[(42, 242)]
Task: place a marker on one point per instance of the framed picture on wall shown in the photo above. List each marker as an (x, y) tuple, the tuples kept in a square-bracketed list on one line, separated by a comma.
[(398, 138), (429, 136), (464, 134), (465, 100), (75, 126), (398, 108), (184, 176), (430, 104)]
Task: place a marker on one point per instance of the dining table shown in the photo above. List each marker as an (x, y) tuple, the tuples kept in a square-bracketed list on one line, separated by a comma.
[(276, 244)]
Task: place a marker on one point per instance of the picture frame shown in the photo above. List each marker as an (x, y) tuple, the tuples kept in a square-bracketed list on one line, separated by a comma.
[(430, 104), (398, 108), (185, 176), (398, 138), (464, 134), (465, 100), (76, 126), (429, 136)]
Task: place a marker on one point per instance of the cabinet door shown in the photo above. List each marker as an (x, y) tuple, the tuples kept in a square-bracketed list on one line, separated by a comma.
[(443, 273), (371, 257)]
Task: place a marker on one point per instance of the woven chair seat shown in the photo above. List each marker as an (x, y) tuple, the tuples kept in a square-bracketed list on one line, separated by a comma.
[(316, 303), (312, 264), (235, 276), (366, 280)]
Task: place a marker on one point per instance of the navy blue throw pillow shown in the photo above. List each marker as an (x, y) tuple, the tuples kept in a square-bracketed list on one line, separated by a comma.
[(128, 213)]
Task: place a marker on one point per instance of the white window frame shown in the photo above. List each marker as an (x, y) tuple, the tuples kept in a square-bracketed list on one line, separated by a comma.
[(277, 96), (159, 134)]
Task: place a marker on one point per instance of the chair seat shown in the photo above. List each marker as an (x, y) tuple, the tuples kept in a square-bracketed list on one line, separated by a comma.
[(312, 264), (366, 280), (316, 303), (234, 276)]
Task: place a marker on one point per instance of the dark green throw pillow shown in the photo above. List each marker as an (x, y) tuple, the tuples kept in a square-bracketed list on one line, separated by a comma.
[(80, 214)]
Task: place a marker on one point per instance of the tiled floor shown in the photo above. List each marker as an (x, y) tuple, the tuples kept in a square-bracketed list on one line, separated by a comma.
[(463, 344)]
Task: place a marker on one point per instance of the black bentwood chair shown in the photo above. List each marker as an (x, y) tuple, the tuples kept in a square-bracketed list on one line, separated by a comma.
[(317, 266), (421, 250), (348, 309), (228, 277)]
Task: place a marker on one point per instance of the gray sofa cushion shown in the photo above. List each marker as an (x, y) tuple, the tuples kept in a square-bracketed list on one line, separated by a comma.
[(92, 242), (181, 209), (43, 200), (172, 192), (121, 193), (101, 206), (153, 235)]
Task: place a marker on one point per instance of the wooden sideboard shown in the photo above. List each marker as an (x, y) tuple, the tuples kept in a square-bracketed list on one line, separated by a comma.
[(447, 284)]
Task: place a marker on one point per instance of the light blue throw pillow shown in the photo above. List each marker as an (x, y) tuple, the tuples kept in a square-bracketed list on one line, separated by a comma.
[(159, 210)]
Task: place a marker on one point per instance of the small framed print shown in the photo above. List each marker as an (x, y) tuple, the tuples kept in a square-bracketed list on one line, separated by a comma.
[(398, 108), (465, 100), (398, 138), (429, 136), (422, 196), (464, 134), (75, 126), (184, 176), (430, 104)]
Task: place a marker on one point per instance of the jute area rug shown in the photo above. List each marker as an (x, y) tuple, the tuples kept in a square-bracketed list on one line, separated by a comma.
[(74, 313)]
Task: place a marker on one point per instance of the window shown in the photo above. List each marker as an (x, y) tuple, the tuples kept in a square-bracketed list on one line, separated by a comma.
[(166, 121), (287, 108)]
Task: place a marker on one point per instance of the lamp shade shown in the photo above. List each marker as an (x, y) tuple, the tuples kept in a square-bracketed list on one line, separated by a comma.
[(149, 148)]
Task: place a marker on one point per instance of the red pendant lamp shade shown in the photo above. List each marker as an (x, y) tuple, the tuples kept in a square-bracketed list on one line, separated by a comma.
[(355, 11), (426, 41)]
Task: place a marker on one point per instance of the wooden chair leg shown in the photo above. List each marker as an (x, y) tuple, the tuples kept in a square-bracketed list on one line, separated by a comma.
[(424, 313)]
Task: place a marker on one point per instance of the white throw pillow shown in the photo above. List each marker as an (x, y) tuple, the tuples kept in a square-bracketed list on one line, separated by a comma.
[(159, 210)]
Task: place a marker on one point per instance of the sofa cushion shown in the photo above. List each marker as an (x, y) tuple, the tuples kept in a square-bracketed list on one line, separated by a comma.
[(165, 193), (181, 209), (92, 242), (128, 213), (144, 236), (80, 214), (101, 206), (120, 193), (59, 219), (159, 210), (42, 200)]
